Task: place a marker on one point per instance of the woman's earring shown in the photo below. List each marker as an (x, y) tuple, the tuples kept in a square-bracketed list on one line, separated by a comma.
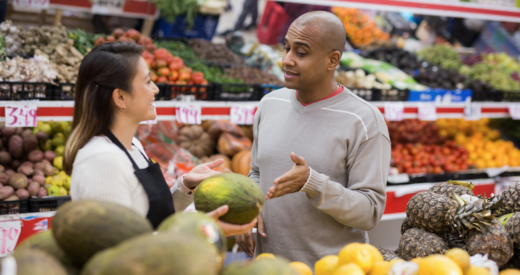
[(123, 109)]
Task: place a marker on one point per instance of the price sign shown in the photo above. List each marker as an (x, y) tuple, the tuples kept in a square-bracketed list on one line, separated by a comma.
[(151, 121), (10, 231), (37, 4), (188, 114), (20, 115), (427, 111), (394, 111), (514, 111), (243, 115), (472, 112), (108, 7)]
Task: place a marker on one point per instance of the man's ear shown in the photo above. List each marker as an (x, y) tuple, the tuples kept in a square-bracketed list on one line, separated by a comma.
[(119, 98), (334, 58)]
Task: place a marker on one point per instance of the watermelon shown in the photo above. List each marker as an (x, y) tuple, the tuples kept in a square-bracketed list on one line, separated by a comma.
[(243, 196), (84, 227), (33, 262), (199, 225), (163, 254), (45, 241), (260, 267)]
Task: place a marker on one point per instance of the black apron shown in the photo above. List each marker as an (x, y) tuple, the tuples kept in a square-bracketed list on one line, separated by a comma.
[(152, 179)]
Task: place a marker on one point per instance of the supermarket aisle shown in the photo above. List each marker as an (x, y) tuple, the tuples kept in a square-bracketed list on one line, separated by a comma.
[(227, 20)]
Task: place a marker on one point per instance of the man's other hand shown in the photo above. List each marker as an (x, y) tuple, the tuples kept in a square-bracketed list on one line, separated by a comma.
[(292, 181)]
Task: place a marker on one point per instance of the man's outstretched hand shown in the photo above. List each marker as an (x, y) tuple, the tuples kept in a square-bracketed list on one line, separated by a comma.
[(292, 181)]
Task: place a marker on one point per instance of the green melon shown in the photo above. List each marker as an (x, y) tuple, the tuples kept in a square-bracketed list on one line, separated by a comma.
[(233, 268), (199, 225), (82, 228), (243, 196), (45, 241), (34, 262), (163, 254), (259, 267)]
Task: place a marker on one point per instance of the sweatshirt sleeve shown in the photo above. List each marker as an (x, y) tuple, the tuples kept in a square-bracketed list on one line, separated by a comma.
[(181, 198), (254, 173), (362, 203)]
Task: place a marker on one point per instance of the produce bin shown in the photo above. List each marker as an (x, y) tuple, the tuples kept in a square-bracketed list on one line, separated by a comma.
[(236, 92), (14, 207), (390, 95), (46, 204), (63, 91), (495, 96), (511, 96), (171, 91), (204, 27), (26, 91)]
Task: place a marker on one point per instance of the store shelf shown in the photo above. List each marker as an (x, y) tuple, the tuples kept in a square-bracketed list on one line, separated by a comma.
[(496, 12), (63, 110)]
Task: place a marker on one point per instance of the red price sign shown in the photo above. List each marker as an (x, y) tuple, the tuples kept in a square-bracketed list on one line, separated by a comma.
[(20, 116), (188, 114), (394, 111), (243, 115), (514, 111), (10, 231)]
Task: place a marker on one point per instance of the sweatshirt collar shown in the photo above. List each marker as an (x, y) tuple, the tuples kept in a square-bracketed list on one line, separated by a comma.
[(320, 104)]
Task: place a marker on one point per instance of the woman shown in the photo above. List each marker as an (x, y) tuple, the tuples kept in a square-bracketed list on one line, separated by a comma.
[(106, 162)]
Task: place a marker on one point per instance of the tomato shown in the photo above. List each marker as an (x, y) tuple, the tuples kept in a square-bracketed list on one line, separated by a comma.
[(164, 72), (149, 62), (448, 167), (174, 75), (184, 75), (148, 55), (409, 171), (204, 83), (182, 82), (159, 63), (162, 79), (160, 53), (437, 170), (153, 76), (175, 65), (405, 151), (446, 151), (186, 69), (197, 77), (407, 164)]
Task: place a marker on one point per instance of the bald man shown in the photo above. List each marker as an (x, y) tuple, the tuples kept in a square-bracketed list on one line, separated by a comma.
[(320, 153)]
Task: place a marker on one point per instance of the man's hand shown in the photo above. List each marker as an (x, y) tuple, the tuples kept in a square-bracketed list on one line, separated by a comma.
[(291, 181), (245, 242), (230, 229), (202, 171)]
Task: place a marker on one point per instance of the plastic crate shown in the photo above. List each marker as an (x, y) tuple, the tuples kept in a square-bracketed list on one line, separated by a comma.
[(172, 91), (63, 91), (46, 204), (26, 91), (236, 92), (204, 27), (391, 95), (14, 207), (494, 38), (495, 96), (511, 96)]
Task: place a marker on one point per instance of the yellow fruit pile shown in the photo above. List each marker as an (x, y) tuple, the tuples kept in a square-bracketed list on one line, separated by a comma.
[(58, 185), (365, 259), (459, 128)]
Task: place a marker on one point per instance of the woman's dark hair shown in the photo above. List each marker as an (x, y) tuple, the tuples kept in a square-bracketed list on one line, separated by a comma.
[(106, 68)]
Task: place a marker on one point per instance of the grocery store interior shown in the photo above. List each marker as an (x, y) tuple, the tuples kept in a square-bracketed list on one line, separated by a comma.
[(444, 75)]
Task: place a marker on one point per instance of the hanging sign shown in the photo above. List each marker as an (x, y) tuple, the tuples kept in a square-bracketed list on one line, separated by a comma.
[(20, 115), (243, 115), (394, 111), (188, 114), (108, 7), (35, 4)]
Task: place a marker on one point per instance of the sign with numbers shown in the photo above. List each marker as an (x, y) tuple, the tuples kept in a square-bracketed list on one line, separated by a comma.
[(243, 115), (394, 111), (108, 7), (514, 111), (10, 231), (472, 111), (188, 114), (37, 4), (427, 111), (20, 115)]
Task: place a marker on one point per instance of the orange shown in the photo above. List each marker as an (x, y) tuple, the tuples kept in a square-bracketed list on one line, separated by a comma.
[(460, 257), (326, 265), (438, 265), (301, 268), (349, 269), (380, 268), (358, 254), (480, 163)]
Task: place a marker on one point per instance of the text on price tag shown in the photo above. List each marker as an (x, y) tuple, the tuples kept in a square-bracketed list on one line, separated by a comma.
[(188, 114), (20, 115), (38, 4), (514, 111), (243, 115), (427, 111), (394, 111), (472, 112), (9, 233)]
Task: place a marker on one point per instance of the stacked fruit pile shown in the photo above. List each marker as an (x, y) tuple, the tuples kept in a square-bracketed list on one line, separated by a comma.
[(361, 30)]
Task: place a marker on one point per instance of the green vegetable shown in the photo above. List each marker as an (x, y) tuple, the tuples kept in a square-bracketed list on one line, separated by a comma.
[(170, 9), (83, 42), (213, 74), (442, 55), (494, 74), (178, 48), (2, 48)]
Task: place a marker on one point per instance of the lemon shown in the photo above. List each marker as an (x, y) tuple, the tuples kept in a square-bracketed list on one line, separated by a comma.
[(63, 192), (438, 265), (48, 180), (417, 260), (460, 257), (510, 272), (380, 268), (374, 252), (326, 265), (349, 269), (265, 255), (476, 270), (301, 268), (66, 183), (58, 162), (57, 180), (357, 254)]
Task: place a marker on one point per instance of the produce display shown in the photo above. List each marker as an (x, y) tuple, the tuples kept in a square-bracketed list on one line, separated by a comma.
[(361, 30), (493, 74), (25, 42), (442, 55), (359, 79), (252, 75), (218, 53)]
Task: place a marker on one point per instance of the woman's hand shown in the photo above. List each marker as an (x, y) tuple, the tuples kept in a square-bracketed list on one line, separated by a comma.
[(230, 229), (202, 171)]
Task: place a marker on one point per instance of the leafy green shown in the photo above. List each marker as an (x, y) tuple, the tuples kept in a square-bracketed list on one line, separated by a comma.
[(170, 9), (83, 41), (2, 48), (213, 74), (177, 48)]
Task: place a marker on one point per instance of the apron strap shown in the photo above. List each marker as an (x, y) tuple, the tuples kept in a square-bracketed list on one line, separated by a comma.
[(146, 158), (113, 138)]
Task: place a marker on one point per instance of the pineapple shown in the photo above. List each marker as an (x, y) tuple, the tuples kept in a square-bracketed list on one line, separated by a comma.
[(416, 242), (453, 241), (445, 189), (510, 199), (514, 262), (512, 225), (405, 226), (388, 254), (495, 243)]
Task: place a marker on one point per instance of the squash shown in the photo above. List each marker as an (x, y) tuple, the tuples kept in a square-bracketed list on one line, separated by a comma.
[(241, 162), (196, 141), (229, 144), (248, 131), (224, 168), (216, 127)]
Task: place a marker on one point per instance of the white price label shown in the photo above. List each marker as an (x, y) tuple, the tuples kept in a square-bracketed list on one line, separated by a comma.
[(10, 231), (151, 121), (20, 115), (394, 111), (188, 114), (472, 112), (243, 115), (108, 7), (37, 4), (514, 111), (427, 111)]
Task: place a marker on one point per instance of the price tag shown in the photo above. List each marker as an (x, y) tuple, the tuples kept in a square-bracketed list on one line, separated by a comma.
[(514, 111), (394, 111), (108, 7), (243, 115), (20, 115), (472, 111), (10, 231), (151, 121), (37, 4), (188, 114), (427, 111)]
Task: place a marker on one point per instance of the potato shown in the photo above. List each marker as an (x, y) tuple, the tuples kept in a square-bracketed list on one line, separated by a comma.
[(18, 131), (26, 170), (15, 164), (5, 158), (8, 131), (9, 172), (38, 172), (49, 155), (42, 136), (4, 178), (45, 161), (28, 163), (40, 179), (18, 181), (35, 156), (6, 191), (26, 132), (49, 170), (30, 143), (2, 168), (16, 146), (39, 166), (22, 194), (33, 188), (42, 193)]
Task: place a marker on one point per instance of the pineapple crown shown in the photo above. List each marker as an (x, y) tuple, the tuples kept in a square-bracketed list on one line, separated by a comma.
[(466, 184), (472, 214)]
